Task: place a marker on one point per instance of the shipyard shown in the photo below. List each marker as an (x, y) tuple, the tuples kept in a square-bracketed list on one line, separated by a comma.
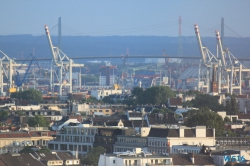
[(156, 85)]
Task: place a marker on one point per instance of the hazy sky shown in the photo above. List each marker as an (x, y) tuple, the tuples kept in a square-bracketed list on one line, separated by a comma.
[(124, 17)]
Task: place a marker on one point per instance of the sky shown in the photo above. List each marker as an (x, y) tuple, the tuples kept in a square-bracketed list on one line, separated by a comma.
[(125, 17)]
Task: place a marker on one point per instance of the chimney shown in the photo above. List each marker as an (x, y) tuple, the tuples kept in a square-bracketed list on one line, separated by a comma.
[(155, 115), (192, 158), (166, 115)]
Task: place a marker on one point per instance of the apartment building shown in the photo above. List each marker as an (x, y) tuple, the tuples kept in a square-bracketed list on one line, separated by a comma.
[(13, 142), (161, 140), (74, 138)]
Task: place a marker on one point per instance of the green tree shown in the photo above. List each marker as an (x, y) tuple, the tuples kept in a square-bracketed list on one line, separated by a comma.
[(107, 99), (232, 107), (91, 99), (4, 114), (93, 156), (38, 120), (193, 92), (227, 119), (130, 102), (187, 104), (137, 91), (156, 95), (206, 118), (31, 95), (162, 111), (206, 100)]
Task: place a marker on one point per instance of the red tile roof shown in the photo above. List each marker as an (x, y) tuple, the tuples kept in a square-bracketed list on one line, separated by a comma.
[(175, 101), (14, 135), (243, 116)]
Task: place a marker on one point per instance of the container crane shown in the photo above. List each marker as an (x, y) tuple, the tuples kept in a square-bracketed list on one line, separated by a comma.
[(207, 59), (62, 62), (232, 68), (6, 70), (19, 81)]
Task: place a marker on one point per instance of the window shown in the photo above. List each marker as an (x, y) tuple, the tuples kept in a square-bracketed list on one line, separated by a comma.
[(106, 110), (113, 161), (100, 110)]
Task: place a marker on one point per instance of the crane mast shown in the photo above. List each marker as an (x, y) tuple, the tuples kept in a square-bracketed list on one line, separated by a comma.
[(54, 55), (221, 52), (196, 28)]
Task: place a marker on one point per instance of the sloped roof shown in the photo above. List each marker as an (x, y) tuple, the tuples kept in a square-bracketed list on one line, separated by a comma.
[(14, 135), (163, 132), (163, 119), (185, 159), (175, 101), (243, 116), (189, 133), (209, 133), (23, 159)]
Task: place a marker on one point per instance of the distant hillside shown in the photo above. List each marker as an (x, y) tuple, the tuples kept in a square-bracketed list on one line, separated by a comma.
[(18, 46)]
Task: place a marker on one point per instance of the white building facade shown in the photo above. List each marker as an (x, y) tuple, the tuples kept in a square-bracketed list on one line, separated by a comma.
[(101, 93), (74, 138)]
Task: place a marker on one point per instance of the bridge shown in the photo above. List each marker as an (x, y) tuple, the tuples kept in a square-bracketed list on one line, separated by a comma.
[(135, 56)]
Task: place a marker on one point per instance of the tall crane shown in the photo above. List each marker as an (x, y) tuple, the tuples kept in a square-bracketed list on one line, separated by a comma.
[(19, 81), (233, 69), (207, 59), (62, 62)]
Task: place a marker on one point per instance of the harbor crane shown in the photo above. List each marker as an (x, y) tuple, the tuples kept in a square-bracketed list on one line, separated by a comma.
[(19, 81), (233, 70), (6, 70), (207, 59), (63, 63)]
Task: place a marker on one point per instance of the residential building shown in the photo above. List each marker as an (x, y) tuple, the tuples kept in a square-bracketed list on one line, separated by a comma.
[(159, 119), (13, 142), (101, 93), (137, 159), (125, 143), (65, 121), (50, 114), (103, 109), (107, 136), (80, 107), (191, 148), (146, 159), (161, 140), (192, 159), (39, 159), (174, 103), (24, 107), (79, 137)]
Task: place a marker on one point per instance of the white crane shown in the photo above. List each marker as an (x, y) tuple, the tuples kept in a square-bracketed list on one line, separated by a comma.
[(231, 68), (207, 59), (63, 62), (6, 69)]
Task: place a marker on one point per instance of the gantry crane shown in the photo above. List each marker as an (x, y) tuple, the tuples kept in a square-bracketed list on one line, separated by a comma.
[(6, 70), (62, 62), (233, 69), (207, 59), (19, 81)]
